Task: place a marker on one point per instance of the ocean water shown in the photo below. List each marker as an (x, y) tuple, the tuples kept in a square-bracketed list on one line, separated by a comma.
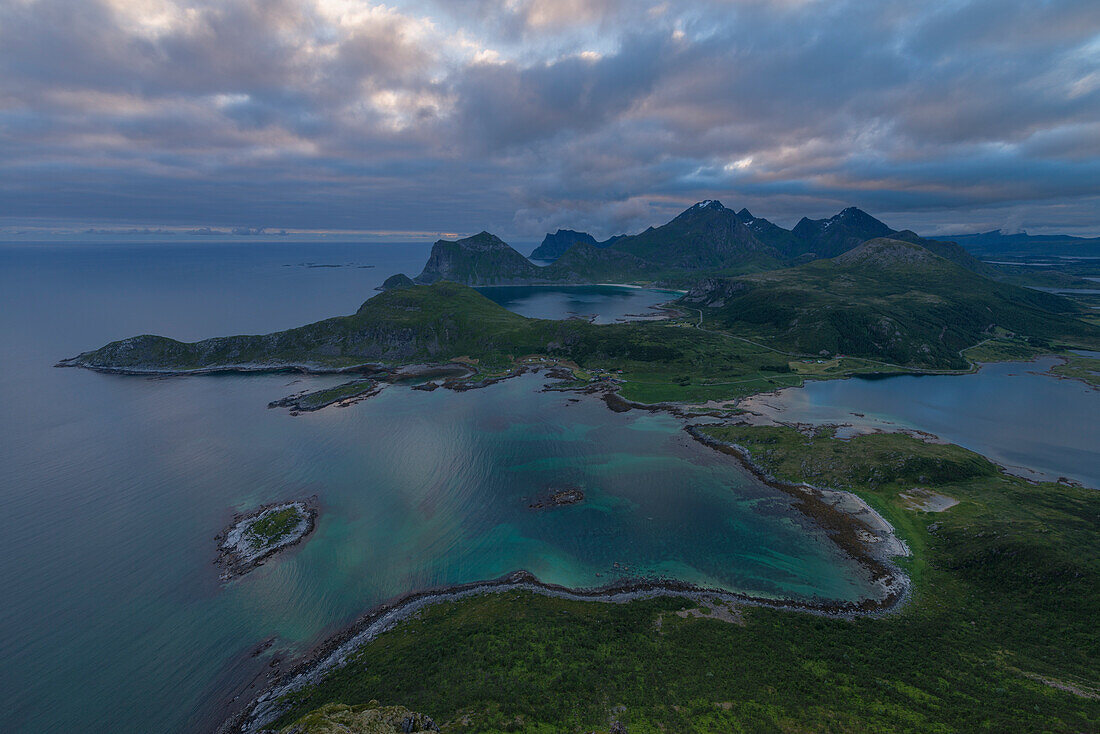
[(114, 487)]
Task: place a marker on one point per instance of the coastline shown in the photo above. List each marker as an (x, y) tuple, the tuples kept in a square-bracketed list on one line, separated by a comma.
[(856, 528), (335, 651)]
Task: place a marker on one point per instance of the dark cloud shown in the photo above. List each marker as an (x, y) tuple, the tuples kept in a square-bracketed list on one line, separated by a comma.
[(527, 115)]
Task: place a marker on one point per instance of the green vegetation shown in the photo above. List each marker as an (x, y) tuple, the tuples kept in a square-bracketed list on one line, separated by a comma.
[(323, 398), (926, 315), (1005, 349), (366, 719), (886, 306), (1076, 367), (483, 259), (885, 300), (658, 360), (400, 280), (271, 527), (1000, 633), (707, 236)]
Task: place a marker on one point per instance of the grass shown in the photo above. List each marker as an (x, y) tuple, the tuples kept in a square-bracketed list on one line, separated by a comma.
[(1076, 367), (920, 314), (1004, 350), (1006, 593), (273, 527), (659, 361)]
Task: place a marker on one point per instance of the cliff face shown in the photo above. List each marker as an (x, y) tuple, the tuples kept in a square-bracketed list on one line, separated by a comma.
[(840, 233), (555, 245), (706, 236), (483, 259)]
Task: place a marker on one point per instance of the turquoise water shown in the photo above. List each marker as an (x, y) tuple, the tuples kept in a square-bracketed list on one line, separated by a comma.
[(604, 304), (1014, 413), (114, 488)]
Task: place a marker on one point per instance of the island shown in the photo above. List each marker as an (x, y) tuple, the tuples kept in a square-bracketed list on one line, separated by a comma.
[(558, 498), (253, 538)]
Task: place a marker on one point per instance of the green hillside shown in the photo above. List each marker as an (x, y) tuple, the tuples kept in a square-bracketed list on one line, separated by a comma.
[(886, 299)]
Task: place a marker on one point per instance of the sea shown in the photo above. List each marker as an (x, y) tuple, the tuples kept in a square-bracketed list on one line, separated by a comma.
[(114, 487)]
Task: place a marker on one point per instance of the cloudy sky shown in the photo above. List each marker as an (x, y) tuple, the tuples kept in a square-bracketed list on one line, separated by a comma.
[(521, 116)]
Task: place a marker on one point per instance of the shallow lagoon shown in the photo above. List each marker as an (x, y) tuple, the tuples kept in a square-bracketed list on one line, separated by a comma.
[(116, 486)]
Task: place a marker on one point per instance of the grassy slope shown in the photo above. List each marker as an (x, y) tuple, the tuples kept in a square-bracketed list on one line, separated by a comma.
[(659, 361), (922, 315), (837, 309), (1085, 369), (1007, 585), (401, 326)]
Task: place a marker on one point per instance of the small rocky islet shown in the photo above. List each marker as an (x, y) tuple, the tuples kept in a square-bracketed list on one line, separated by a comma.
[(253, 537), (558, 498)]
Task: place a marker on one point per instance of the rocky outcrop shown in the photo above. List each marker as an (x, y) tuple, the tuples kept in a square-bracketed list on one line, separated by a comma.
[(396, 281), (555, 245), (371, 718), (559, 498), (840, 233), (254, 537), (888, 253), (483, 259)]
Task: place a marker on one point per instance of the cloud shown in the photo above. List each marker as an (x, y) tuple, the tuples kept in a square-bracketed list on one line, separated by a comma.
[(526, 115)]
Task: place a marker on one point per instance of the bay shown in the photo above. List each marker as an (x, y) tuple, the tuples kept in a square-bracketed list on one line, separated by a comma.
[(114, 487)]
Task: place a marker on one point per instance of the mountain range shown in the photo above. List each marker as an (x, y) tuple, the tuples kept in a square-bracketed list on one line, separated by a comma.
[(1022, 244), (707, 238)]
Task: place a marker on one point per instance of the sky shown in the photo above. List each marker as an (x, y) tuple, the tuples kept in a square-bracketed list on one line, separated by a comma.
[(432, 117)]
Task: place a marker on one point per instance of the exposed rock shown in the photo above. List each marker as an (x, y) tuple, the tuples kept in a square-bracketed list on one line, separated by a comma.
[(559, 498), (483, 259), (396, 281), (884, 252), (337, 718), (840, 233), (554, 245)]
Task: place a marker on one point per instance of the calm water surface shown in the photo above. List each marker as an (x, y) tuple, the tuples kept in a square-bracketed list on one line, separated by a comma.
[(604, 304), (114, 487), (1013, 413)]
